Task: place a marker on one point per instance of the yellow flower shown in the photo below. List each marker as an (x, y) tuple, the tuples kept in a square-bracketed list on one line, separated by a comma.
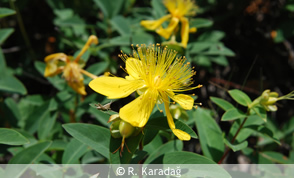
[(71, 67), (156, 76), (178, 9)]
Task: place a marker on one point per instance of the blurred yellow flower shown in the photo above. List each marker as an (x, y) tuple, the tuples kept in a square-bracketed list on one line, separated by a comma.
[(71, 67), (156, 76), (178, 9)]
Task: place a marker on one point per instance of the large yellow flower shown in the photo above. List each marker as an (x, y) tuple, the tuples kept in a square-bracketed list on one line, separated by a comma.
[(178, 9), (71, 67), (156, 76)]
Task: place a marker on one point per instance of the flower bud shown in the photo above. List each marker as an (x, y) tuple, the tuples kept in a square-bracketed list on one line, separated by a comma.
[(114, 129), (126, 129)]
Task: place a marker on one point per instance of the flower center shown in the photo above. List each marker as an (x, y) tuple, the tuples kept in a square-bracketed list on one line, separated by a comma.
[(157, 81)]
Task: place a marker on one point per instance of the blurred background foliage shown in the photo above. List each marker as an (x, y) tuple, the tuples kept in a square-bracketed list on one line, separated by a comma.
[(247, 45)]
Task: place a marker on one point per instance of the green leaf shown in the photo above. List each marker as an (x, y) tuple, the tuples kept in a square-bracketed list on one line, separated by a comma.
[(206, 167), (161, 124), (30, 154), (159, 8), (290, 7), (5, 33), (233, 114), (2, 65), (11, 112), (275, 157), (121, 24), (243, 134), (212, 36), (169, 147), (120, 41), (94, 136), (236, 147), (73, 152), (240, 97), (260, 112), (12, 85), (105, 6), (197, 47), (96, 69), (220, 60), (56, 81), (142, 38), (46, 124), (210, 135), (225, 105), (200, 23), (6, 12), (27, 156), (12, 137)]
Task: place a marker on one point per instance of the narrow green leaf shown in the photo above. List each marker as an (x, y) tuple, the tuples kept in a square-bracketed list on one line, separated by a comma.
[(2, 65), (30, 154), (105, 6), (240, 97), (27, 156), (12, 84), (6, 12), (236, 147), (205, 167), (73, 152), (210, 135), (46, 124), (200, 22), (275, 157), (5, 33), (94, 136), (12, 137), (260, 112), (233, 114), (142, 38), (225, 105), (197, 47), (212, 36), (169, 147), (121, 24)]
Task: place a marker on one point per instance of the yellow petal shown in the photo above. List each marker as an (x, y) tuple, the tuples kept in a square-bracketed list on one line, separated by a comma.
[(166, 33), (138, 111), (154, 24), (52, 70), (185, 31), (91, 40), (56, 56), (78, 86), (185, 101), (53, 64), (115, 87), (181, 134), (193, 30), (133, 65)]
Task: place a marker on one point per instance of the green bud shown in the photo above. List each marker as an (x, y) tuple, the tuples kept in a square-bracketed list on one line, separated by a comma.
[(114, 129), (126, 129)]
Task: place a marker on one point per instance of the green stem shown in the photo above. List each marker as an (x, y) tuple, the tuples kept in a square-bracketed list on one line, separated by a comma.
[(23, 30), (233, 139)]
